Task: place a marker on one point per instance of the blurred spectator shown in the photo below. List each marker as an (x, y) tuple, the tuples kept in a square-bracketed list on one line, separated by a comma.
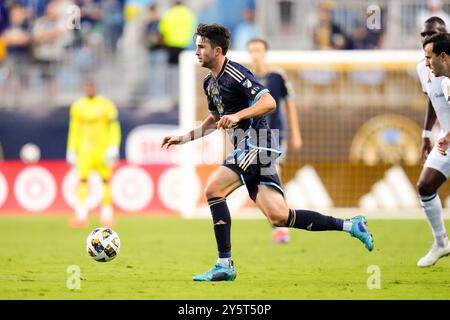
[(51, 37), (434, 8), (154, 37), (133, 49), (157, 56), (35, 8), (327, 34), (3, 16), (286, 14), (91, 13), (2, 55), (245, 31), (134, 8), (17, 38), (177, 26), (226, 12), (365, 38), (112, 23)]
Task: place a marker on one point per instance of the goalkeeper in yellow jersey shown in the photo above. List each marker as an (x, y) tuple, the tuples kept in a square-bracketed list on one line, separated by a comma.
[(93, 145)]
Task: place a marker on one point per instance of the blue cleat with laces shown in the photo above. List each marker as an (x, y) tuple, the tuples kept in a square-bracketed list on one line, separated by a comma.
[(218, 273), (359, 230)]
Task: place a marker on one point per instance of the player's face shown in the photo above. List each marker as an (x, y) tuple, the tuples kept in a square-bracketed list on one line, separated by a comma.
[(428, 30), (89, 90), (433, 61), (205, 53), (257, 52)]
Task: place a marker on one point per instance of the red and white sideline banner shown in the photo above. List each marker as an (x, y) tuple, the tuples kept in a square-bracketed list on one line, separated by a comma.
[(50, 187)]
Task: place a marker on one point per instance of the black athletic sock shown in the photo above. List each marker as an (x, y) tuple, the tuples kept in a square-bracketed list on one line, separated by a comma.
[(222, 225), (313, 221)]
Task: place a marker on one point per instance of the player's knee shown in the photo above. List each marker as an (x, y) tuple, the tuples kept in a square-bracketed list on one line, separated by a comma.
[(212, 192), (277, 219), (425, 189)]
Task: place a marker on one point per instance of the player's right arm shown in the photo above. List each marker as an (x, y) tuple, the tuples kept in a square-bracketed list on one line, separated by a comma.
[(72, 138), (424, 75), (430, 120), (207, 126)]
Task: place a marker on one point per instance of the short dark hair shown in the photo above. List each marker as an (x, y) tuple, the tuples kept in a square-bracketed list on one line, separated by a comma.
[(438, 21), (440, 41), (260, 40), (218, 35)]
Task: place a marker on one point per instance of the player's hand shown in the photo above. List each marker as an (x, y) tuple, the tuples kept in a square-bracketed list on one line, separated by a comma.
[(171, 140), (112, 155), (425, 149), (296, 144), (442, 145), (228, 121), (71, 157)]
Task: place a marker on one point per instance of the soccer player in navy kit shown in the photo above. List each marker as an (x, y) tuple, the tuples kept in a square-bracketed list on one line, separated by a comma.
[(285, 115), (237, 103)]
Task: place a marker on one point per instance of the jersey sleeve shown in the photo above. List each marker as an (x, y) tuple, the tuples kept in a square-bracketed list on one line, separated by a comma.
[(445, 84), (112, 110), (421, 69), (246, 83), (287, 90)]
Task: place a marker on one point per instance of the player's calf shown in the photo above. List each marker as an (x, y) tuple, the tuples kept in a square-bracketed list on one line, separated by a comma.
[(315, 221)]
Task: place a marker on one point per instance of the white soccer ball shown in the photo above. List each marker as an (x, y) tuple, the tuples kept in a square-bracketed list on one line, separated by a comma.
[(30, 153), (103, 244)]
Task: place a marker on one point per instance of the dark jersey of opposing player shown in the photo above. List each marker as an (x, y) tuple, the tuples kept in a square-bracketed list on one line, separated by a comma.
[(280, 90)]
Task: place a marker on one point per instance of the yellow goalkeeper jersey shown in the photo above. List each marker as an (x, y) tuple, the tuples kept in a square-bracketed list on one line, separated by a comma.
[(93, 126)]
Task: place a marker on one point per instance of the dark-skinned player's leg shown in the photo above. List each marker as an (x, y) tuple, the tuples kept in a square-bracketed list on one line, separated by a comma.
[(221, 183), (429, 182), (273, 205)]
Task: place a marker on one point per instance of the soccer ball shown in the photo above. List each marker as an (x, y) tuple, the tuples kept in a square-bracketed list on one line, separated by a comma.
[(103, 244), (30, 153)]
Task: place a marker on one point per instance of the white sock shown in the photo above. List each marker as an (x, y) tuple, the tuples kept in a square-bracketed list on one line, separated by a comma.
[(347, 225), (226, 262), (81, 212), (433, 209)]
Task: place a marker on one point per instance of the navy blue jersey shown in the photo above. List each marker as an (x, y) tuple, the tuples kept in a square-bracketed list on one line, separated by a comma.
[(235, 89), (280, 91)]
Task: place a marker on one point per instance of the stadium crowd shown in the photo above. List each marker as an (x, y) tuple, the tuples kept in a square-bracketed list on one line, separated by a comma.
[(54, 44)]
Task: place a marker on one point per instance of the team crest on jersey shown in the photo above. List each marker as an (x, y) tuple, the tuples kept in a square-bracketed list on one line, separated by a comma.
[(214, 93), (247, 83), (254, 90)]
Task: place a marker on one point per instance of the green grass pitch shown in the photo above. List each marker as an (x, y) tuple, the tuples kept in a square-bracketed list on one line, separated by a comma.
[(160, 255)]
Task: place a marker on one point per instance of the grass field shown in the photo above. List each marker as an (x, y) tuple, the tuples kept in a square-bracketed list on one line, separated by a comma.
[(160, 255)]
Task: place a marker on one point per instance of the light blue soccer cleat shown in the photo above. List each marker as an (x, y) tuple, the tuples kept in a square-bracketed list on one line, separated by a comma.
[(218, 273), (359, 230)]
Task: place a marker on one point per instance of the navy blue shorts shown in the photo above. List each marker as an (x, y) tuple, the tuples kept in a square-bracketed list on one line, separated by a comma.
[(252, 178), (255, 163)]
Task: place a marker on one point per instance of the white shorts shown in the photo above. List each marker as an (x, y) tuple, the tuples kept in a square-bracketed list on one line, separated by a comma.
[(439, 162)]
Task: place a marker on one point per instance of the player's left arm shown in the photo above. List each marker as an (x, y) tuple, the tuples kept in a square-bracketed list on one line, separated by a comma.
[(263, 102), (114, 135), (295, 138)]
